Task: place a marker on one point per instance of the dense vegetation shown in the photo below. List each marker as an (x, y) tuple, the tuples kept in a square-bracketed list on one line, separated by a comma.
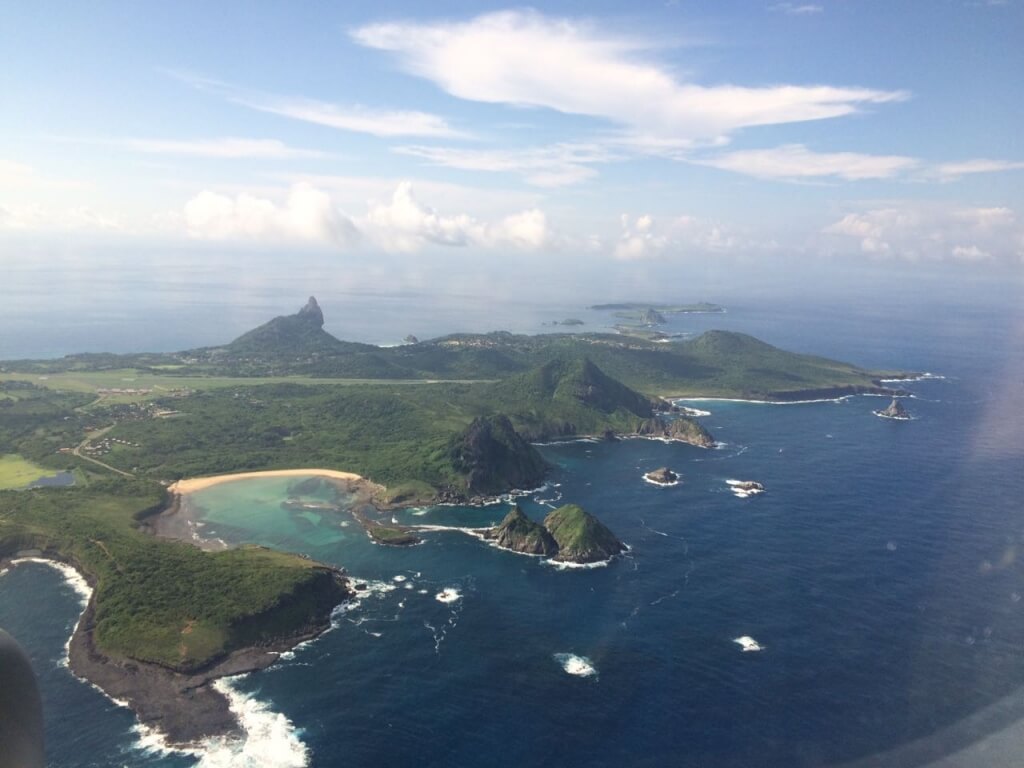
[(580, 536), (159, 601), (718, 363), (175, 605)]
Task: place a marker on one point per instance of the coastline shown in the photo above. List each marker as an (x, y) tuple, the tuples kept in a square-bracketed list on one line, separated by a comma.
[(179, 710), (192, 484), (177, 521)]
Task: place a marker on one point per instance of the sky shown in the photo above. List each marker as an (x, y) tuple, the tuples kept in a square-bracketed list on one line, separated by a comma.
[(412, 142)]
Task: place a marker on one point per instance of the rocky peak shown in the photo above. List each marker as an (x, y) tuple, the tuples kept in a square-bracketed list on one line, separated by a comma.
[(312, 312), (896, 410)]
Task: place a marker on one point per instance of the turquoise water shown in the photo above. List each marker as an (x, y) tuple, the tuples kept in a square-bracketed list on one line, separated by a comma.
[(880, 572)]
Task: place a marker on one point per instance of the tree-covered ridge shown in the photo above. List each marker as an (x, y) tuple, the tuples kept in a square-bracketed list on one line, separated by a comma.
[(717, 363), (421, 442), (165, 602)]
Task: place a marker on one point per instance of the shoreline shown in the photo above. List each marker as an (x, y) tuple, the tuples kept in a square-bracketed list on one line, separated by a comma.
[(177, 520), (193, 484), (177, 709)]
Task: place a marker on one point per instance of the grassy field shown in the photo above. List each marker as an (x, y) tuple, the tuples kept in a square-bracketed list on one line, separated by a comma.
[(17, 472), (161, 385)]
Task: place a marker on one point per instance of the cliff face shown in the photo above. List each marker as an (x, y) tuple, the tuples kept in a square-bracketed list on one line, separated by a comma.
[(306, 609), (494, 458), (581, 538), (683, 429), (521, 534)]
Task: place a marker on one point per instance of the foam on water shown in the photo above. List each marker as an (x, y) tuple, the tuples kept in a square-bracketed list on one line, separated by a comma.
[(561, 566), (748, 644), (742, 493), (448, 595), (580, 666), (81, 587), (271, 740), (655, 483)]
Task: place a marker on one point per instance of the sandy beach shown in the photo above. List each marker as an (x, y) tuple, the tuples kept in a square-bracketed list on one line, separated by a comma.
[(189, 485)]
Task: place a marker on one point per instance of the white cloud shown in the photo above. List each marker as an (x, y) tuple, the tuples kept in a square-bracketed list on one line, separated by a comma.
[(405, 224), (227, 148), (557, 165), (795, 9), (970, 253), (950, 171), (918, 231), (526, 58), (306, 215), (401, 224), (644, 237), (347, 117), (357, 118), (795, 161)]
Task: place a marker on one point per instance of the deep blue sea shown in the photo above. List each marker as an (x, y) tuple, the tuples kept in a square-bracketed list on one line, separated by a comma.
[(880, 573)]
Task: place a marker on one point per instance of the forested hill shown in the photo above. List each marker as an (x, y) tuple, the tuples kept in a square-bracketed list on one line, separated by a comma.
[(717, 363)]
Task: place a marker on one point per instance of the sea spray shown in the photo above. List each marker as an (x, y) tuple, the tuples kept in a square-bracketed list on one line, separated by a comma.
[(270, 739)]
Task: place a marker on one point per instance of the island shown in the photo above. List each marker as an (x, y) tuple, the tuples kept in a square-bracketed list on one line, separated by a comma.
[(581, 538), (568, 535), (664, 477), (518, 533), (455, 419), (894, 410)]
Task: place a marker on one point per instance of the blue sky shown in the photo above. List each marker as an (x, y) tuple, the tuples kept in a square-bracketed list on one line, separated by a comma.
[(619, 133)]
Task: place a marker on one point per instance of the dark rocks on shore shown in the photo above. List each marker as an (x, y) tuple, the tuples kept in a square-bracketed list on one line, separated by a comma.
[(183, 705), (662, 476), (683, 429)]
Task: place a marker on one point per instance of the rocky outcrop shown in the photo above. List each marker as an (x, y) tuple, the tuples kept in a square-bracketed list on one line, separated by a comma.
[(410, 339), (652, 316), (662, 476), (519, 533), (311, 313), (580, 537), (895, 410), (494, 458), (682, 429)]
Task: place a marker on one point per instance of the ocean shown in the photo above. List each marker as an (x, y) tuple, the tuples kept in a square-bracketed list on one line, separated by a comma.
[(879, 574)]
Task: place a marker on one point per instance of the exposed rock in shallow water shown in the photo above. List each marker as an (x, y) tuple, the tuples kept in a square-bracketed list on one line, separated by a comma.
[(895, 410), (662, 476)]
